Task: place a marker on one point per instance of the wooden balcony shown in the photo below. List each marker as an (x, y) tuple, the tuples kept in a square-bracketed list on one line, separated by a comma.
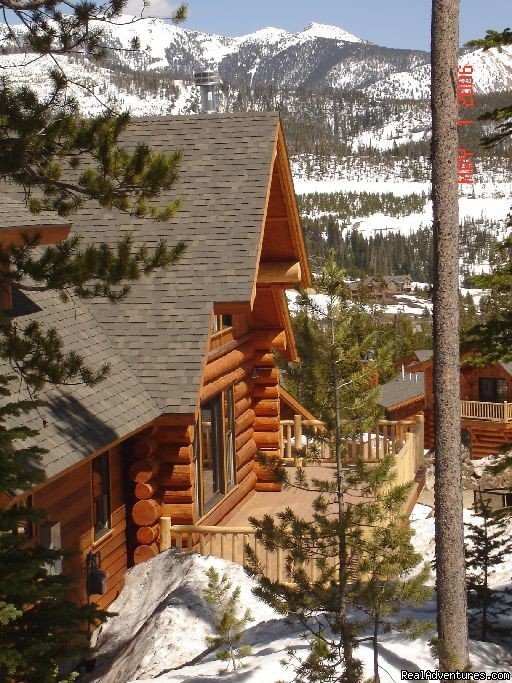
[(403, 440), (485, 411)]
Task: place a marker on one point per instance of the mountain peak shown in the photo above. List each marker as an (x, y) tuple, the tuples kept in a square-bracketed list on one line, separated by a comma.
[(316, 30)]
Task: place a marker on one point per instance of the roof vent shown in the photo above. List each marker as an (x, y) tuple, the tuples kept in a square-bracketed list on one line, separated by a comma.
[(207, 81)]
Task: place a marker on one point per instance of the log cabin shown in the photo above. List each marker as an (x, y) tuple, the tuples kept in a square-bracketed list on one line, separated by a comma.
[(485, 406), (193, 388)]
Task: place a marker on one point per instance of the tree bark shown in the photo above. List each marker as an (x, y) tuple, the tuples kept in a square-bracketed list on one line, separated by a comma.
[(451, 590)]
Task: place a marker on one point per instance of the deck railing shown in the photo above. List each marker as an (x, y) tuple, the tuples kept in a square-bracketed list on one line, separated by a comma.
[(227, 543), (484, 410), (404, 439), (388, 437)]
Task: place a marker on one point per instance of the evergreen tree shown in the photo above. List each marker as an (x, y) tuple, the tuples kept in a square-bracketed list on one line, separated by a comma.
[(39, 625), (346, 541), (452, 644), (491, 338), (487, 546), (230, 626), (59, 160), (45, 146)]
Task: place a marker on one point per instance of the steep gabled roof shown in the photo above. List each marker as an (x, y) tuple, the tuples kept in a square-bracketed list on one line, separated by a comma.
[(161, 328), (156, 338)]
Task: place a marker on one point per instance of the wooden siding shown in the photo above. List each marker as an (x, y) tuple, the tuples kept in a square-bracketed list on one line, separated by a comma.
[(68, 500)]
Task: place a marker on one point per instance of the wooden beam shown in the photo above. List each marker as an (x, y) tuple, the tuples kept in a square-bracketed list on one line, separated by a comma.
[(232, 307), (269, 339), (284, 273)]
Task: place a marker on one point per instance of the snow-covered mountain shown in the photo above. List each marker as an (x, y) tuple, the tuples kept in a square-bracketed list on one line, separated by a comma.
[(319, 56)]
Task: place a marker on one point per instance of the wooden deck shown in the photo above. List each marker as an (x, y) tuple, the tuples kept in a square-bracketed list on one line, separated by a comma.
[(261, 503)]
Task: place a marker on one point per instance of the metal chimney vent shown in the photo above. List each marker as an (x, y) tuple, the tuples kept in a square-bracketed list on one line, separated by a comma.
[(207, 82)]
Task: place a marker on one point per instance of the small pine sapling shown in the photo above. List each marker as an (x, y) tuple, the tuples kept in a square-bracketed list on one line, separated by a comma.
[(230, 627), (489, 546)]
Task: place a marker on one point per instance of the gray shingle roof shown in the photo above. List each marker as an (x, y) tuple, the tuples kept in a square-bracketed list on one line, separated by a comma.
[(14, 214), (507, 367), (155, 339), (161, 328), (81, 420), (424, 354), (400, 390)]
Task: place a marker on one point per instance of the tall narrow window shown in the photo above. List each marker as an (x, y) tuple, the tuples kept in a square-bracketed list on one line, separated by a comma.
[(197, 473), (101, 495), (492, 390), (212, 452), (229, 437), (25, 528)]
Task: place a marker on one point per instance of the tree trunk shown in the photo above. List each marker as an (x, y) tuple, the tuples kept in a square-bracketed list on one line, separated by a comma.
[(375, 643), (451, 589)]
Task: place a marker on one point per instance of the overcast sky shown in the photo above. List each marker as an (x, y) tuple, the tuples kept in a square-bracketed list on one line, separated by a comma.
[(392, 23)]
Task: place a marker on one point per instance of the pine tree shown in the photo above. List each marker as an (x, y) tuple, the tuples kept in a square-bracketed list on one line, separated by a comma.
[(230, 626), (39, 626), (59, 159), (47, 147), (491, 337), (487, 546), (345, 541), (452, 644)]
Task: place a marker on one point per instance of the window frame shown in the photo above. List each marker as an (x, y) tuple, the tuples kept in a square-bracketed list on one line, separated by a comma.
[(494, 383), (225, 457), (101, 462), (221, 322)]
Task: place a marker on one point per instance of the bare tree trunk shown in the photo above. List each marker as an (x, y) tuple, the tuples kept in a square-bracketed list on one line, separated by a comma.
[(347, 644), (451, 589)]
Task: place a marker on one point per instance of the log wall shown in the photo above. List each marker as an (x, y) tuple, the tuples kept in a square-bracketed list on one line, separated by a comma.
[(266, 406), (68, 500), (162, 482)]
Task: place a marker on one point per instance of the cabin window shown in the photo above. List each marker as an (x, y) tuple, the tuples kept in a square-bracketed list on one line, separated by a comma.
[(214, 451), (229, 437), (212, 471), (492, 390), (221, 322), (24, 527), (101, 495)]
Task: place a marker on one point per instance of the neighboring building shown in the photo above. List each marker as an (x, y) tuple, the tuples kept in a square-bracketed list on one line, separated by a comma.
[(193, 390), (485, 407), (384, 285), (403, 396)]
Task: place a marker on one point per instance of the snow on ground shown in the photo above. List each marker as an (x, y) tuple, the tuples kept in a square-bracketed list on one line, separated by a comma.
[(160, 631)]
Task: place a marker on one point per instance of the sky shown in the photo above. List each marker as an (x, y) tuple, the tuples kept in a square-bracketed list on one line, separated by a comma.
[(392, 23)]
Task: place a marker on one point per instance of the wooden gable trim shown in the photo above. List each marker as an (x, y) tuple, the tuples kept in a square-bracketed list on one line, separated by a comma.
[(281, 305), (297, 407), (264, 220), (45, 234), (285, 177), (415, 399)]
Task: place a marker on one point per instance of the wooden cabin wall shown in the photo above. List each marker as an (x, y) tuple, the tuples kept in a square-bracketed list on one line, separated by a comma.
[(68, 500), (266, 405), (162, 480), (406, 411), (469, 377)]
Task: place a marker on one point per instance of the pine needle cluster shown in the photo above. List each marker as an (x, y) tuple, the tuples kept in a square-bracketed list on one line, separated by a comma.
[(230, 623)]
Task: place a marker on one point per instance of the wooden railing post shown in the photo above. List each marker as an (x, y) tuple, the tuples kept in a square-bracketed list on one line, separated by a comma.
[(505, 411), (165, 533), (297, 428), (288, 441), (420, 440)]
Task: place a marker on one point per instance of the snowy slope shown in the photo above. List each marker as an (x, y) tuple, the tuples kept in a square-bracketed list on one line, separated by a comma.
[(160, 632), (327, 55)]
